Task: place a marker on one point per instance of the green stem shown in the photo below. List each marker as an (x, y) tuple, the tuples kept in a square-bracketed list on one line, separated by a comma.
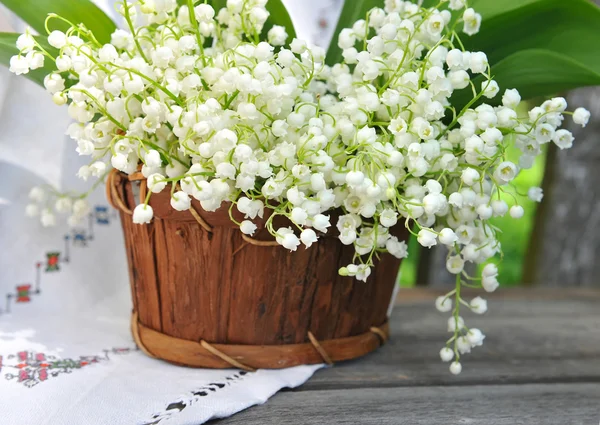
[(194, 22), (132, 29)]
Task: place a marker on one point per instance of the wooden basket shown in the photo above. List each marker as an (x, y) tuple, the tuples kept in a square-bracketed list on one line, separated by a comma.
[(205, 296)]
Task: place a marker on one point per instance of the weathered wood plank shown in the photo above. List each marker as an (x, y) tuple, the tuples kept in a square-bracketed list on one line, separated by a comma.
[(529, 341), (539, 366), (572, 404)]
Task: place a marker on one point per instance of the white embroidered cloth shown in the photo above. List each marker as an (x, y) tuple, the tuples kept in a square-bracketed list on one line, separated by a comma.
[(66, 354)]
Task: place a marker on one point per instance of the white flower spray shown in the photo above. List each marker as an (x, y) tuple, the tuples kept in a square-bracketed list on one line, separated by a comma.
[(208, 111)]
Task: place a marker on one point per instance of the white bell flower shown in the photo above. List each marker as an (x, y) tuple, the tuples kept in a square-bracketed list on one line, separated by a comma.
[(536, 194), (48, 218), (446, 354), (517, 211), (443, 304), (247, 227), (143, 214), (455, 323), (308, 237), (180, 201), (287, 239), (581, 116), (321, 223), (448, 237), (427, 238), (475, 337), (157, 183), (472, 21), (478, 305), (455, 368)]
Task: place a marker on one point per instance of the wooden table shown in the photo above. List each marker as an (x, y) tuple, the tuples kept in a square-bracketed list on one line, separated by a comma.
[(540, 364)]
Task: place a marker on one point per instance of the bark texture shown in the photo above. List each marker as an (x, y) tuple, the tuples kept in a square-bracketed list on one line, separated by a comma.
[(432, 270), (566, 236)]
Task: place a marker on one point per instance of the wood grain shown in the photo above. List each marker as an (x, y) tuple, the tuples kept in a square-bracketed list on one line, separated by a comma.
[(565, 404), (187, 283), (539, 366), (528, 341)]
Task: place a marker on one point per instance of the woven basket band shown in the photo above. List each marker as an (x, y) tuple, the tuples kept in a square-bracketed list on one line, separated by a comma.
[(251, 357)]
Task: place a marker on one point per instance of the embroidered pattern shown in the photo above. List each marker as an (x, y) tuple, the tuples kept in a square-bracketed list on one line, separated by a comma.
[(102, 215), (30, 368), (23, 292), (193, 397), (52, 261), (79, 238)]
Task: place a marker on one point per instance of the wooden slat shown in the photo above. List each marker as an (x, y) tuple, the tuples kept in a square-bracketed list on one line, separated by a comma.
[(539, 365), (566, 404), (414, 295), (527, 341)]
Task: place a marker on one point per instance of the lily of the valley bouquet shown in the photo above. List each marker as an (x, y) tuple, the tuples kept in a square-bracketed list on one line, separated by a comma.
[(409, 129)]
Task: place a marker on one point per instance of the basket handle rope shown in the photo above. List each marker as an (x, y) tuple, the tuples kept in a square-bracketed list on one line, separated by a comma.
[(113, 196)]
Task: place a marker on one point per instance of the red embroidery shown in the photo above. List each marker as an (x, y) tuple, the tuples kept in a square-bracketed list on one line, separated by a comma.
[(23, 293), (53, 259), (32, 368)]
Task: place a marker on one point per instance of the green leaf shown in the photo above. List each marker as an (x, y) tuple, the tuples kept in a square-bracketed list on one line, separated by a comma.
[(216, 4), (528, 70), (563, 38), (487, 8), (278, 15), (35, 12), (352, 11), (8, 49), (570, 28), (535, 72)]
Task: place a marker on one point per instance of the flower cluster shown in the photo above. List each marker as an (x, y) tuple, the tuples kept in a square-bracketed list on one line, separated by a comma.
[(46, 203), (409, 154), (192, 98)]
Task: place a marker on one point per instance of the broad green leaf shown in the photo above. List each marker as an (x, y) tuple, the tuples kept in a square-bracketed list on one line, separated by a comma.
[(8, 49), (535, 72), (488, 8), (278, 15), (35, 12), (570, 28), (563, 38), (352, 11), (528, 70), (216, 4)]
